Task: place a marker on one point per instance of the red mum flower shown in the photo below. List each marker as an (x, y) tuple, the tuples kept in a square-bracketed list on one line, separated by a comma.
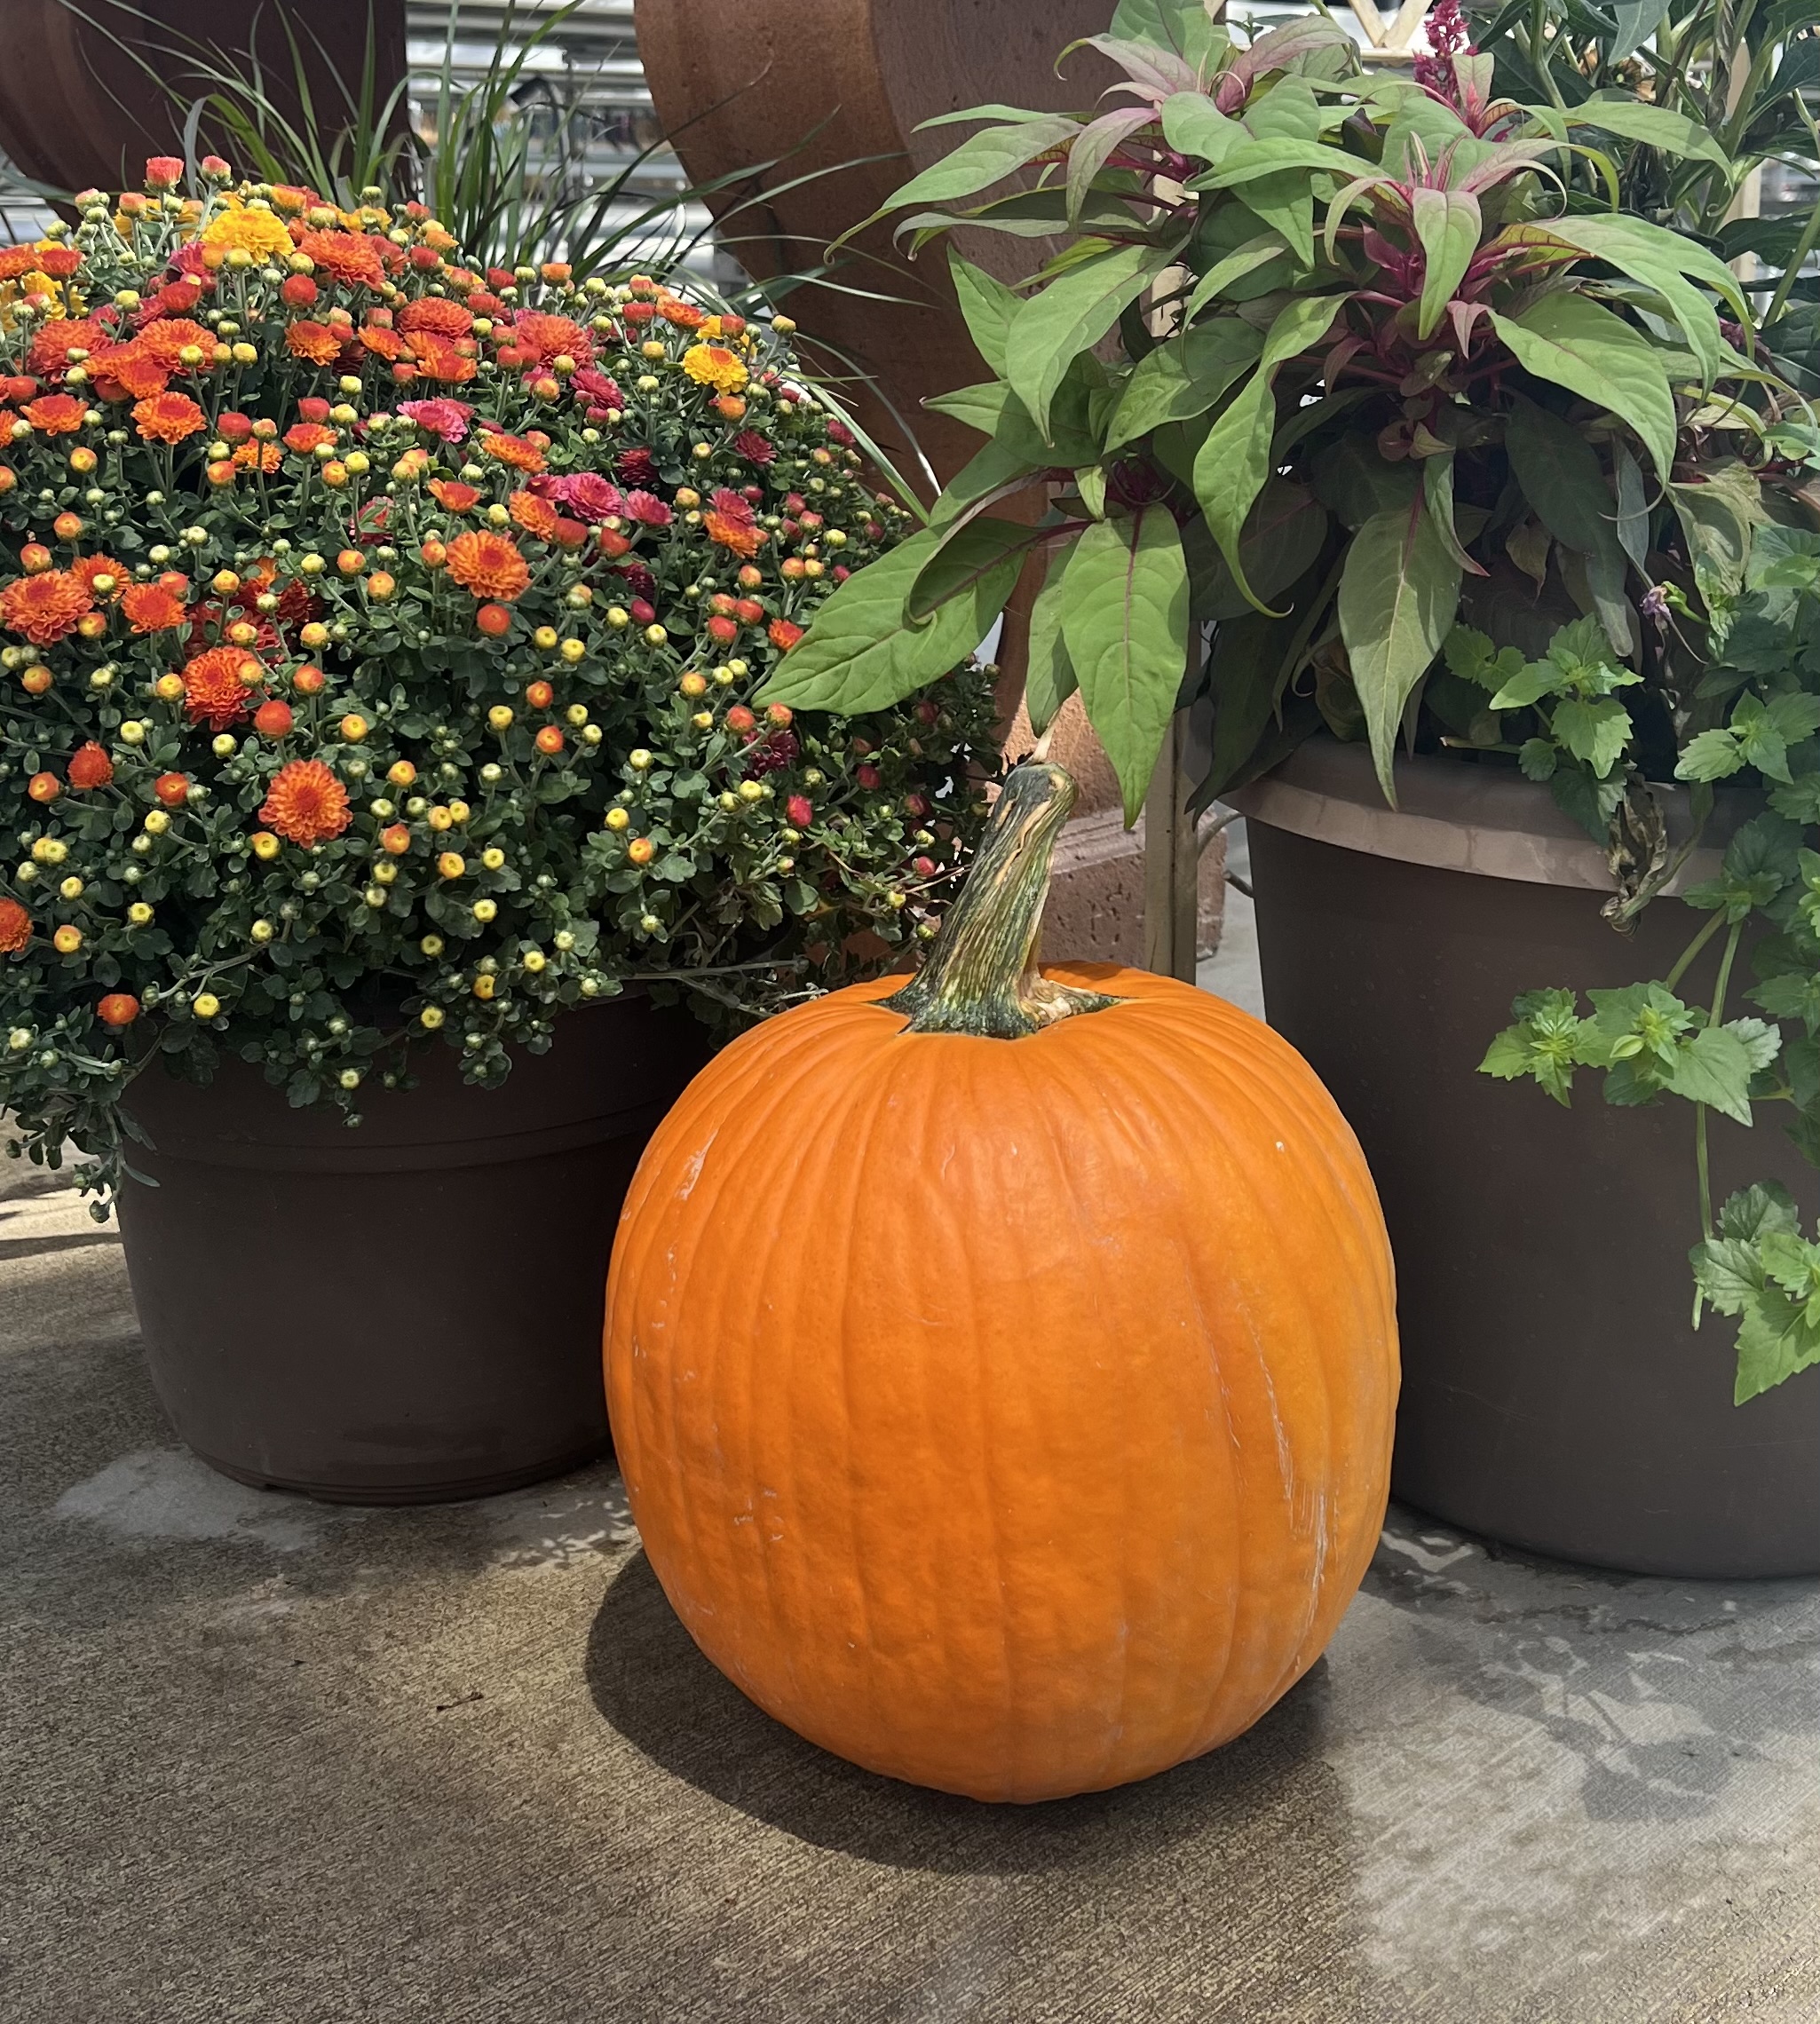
[(305, 802), (451, 493), (90, 766), (212, 687), (636, 466), (442, 416), (47, 607), (55, 413), (586, 493), (648, 510), (600, 388), (783, 634), (15, 927), (60, 262), (754, 447)]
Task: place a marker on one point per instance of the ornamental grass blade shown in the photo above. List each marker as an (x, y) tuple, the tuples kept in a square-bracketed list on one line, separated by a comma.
[(1124, 625), (1398, 595)]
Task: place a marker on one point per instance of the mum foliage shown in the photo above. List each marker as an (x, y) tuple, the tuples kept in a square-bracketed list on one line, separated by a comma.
[(380, 641)]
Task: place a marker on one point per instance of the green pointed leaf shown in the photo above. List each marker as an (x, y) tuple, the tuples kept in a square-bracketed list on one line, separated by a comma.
[(1714, 1067), (1637, 20), (1192, 124), (1561, 478), (863, 651), (1398, 595), (1050, 680), (1184, 377), (980, 407), (1231, 465), (1243, 260), (1124, 625), (1633, 510), (1070, 316), (1270, 157), (1596, 731), (1438, 494), (1449, 225), (1664, 261), (1096, 143), (981, 159), (1184, 28), (988, 306), (1572, 340), (1656, 126)]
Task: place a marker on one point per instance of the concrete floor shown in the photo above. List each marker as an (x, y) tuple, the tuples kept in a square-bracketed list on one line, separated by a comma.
[(277, 1762)]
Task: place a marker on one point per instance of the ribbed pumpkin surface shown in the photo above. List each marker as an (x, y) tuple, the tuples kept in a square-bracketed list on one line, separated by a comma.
[(1009, 1416)]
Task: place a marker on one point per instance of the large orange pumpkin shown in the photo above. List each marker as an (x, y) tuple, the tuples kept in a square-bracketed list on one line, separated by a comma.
[(1002, 1367)]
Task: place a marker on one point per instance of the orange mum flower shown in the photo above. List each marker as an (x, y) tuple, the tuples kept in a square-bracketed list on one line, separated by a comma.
[(546, 337), (212, 687), (167, 418), (349, 257), (306, 438), (451, 493), (17, 261), (90, 766), (439, 358), (258, 456), (90, 567), (60, 262), (438, 314), (488, 564), (167, 337), (381, 343), (55, 413), (45, 608), (783, 634), (128, 371), (742, 538), (316, 342), (513, 450), (305, 802), (150, 608), (50, 348), (685, 315), (536, 516), (15, 927)]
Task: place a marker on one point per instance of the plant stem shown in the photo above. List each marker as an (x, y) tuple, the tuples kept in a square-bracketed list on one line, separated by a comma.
[(1804, 245), (981, 977), (1692, 949)]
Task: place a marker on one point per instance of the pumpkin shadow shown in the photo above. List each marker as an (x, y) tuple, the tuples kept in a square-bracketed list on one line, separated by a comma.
[(654, 1686)]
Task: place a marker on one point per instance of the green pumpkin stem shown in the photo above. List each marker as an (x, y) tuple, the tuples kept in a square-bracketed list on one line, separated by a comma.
[(981, 977)]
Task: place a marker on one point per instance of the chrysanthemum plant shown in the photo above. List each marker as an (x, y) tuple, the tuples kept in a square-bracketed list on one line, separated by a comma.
[(381, 643), (1359, 404)]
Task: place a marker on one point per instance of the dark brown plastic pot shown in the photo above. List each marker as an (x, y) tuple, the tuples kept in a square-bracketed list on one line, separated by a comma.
[(411, 1311), (1554, 1392)]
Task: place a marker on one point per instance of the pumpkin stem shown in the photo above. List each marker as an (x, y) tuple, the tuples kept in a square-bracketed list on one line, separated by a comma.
[(981, 977)]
